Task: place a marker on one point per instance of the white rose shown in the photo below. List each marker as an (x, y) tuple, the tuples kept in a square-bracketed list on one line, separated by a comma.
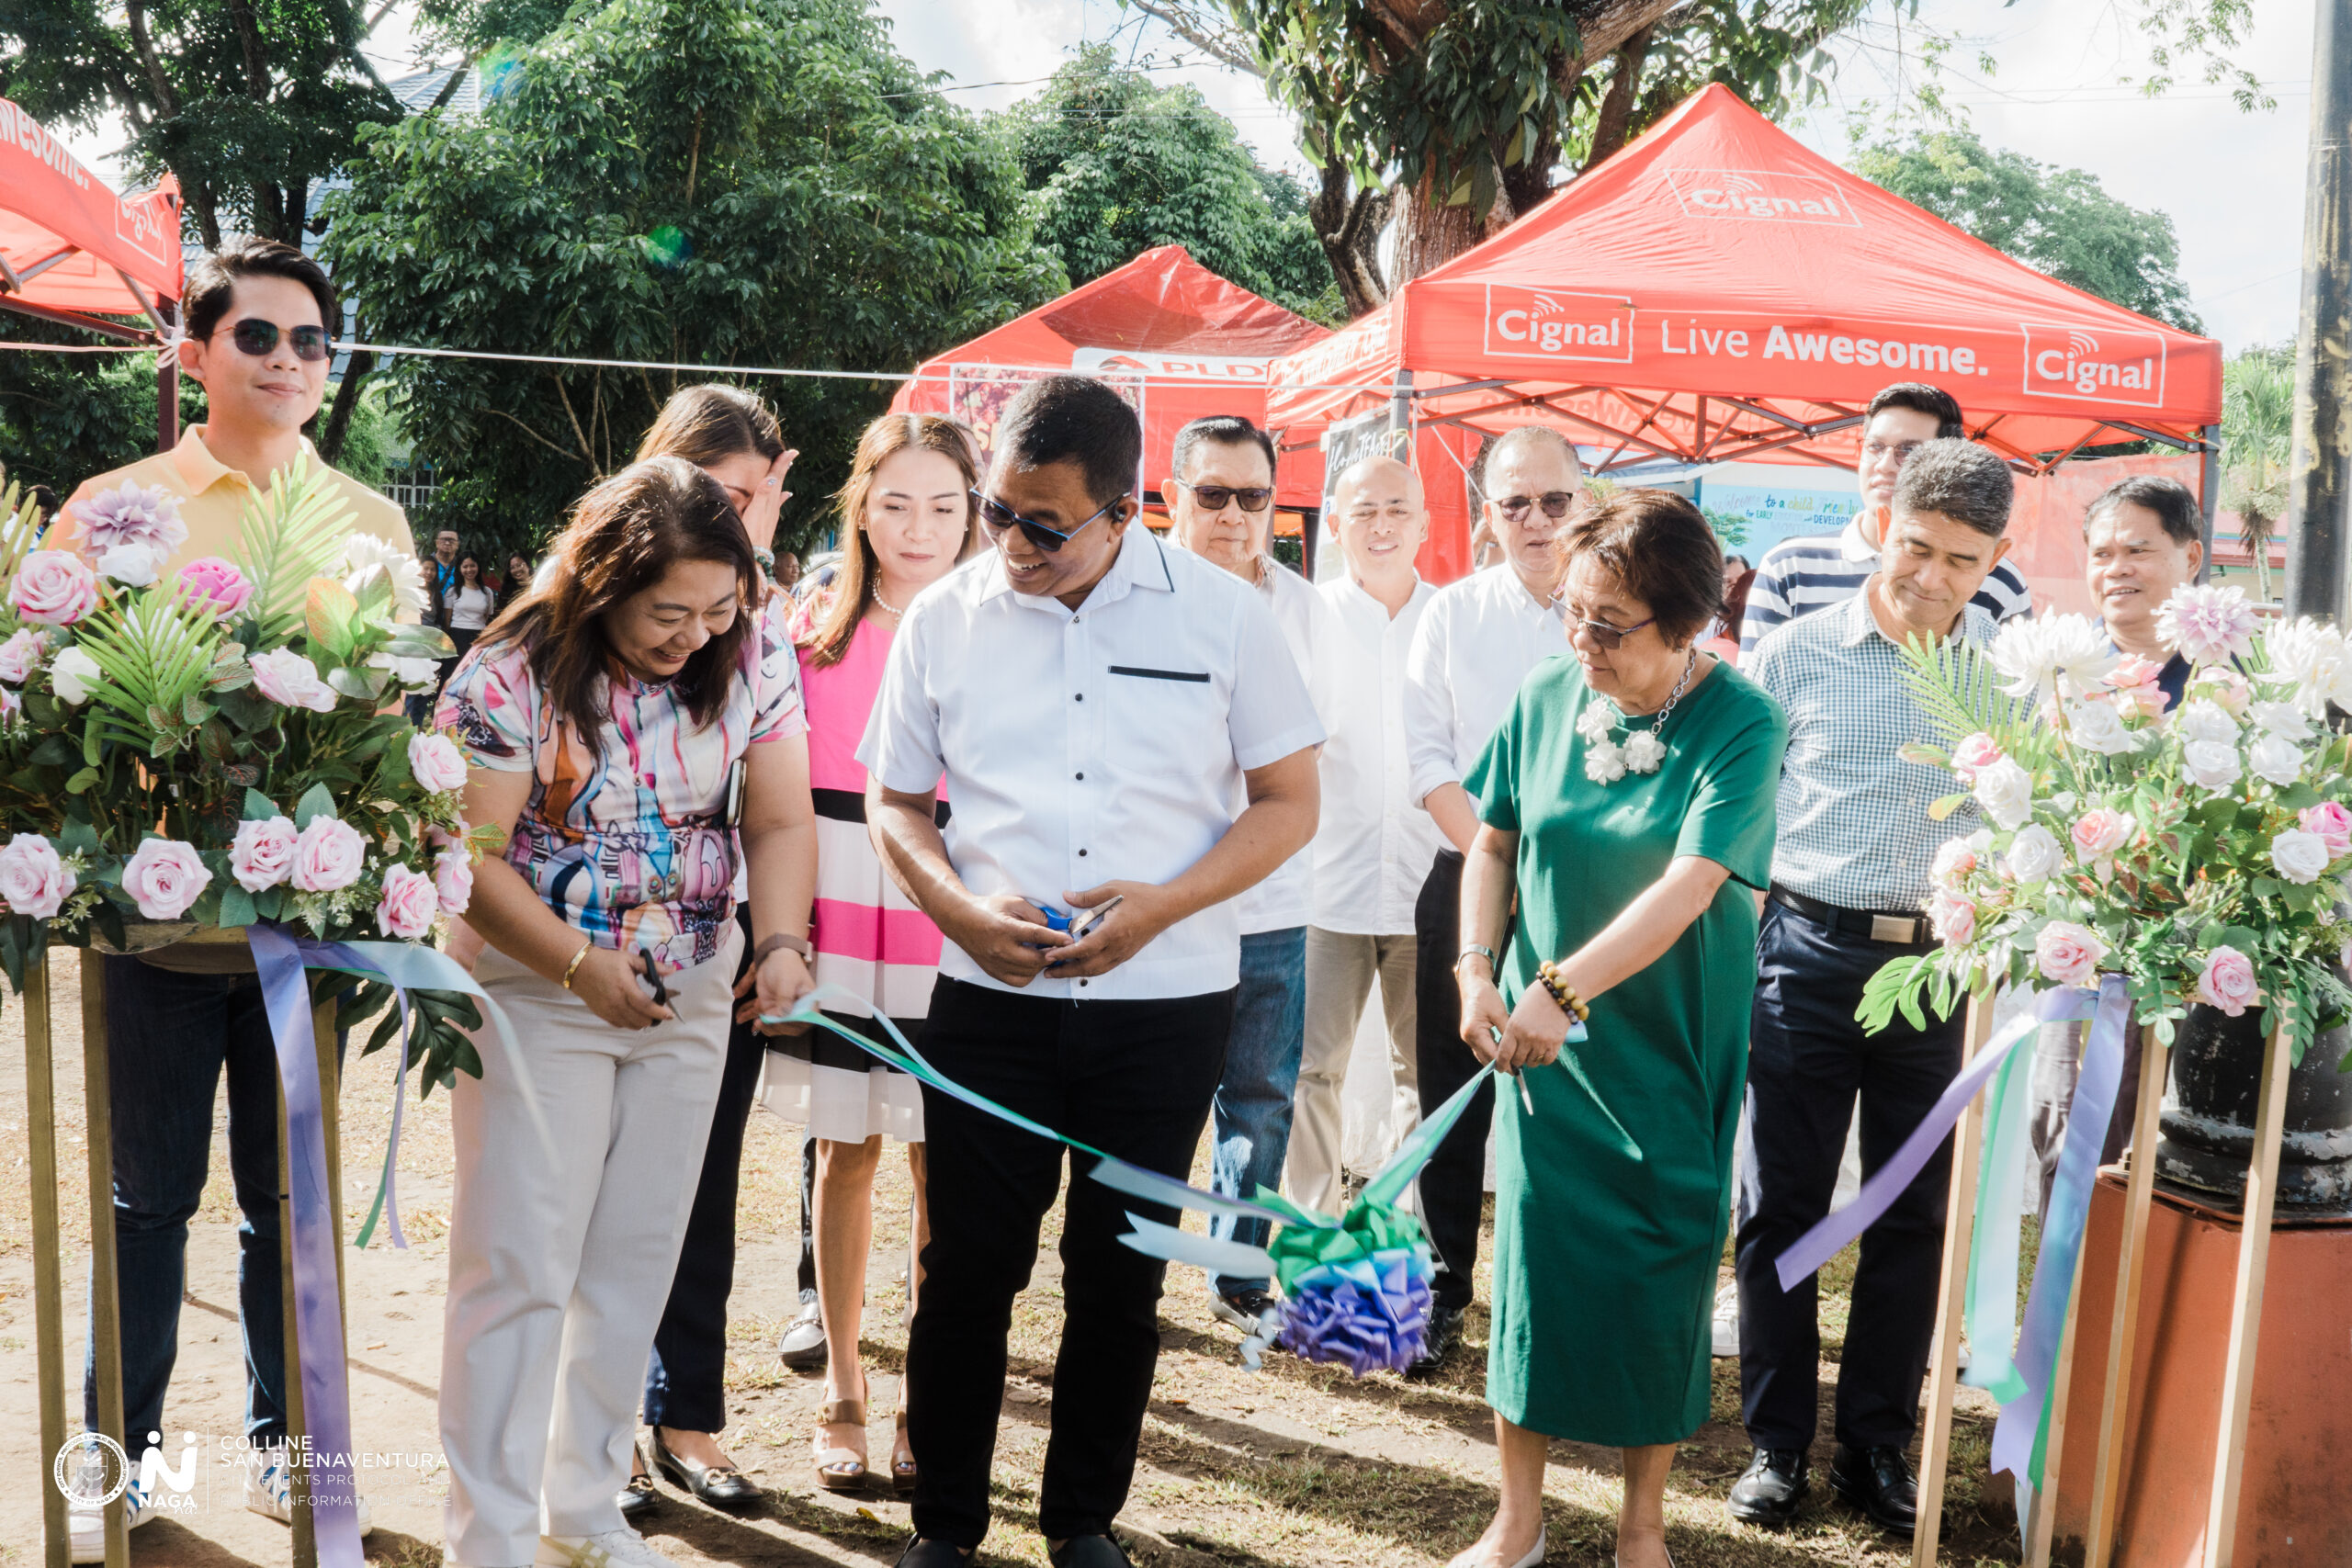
[(2097, 727), (2034, 854), (2280, 719), (2006, 792), (71, 675), (2202, 720), (2275, 760), (2212, 764), (133, 566), (2299, 856)]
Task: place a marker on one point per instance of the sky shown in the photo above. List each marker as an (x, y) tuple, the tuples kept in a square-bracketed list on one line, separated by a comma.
[(2232, 181)]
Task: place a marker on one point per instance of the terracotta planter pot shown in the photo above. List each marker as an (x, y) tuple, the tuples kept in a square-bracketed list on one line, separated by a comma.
[(2208, 1126)]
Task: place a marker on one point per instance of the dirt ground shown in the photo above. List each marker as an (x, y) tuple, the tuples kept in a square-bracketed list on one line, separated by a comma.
[(1295, 1465)]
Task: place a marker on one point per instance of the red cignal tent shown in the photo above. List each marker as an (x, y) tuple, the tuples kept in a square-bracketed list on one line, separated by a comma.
[(1178, 340), (1715, 291), (73, 252)]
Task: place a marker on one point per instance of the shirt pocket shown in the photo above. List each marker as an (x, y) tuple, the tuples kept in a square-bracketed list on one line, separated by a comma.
[(1166, 721)]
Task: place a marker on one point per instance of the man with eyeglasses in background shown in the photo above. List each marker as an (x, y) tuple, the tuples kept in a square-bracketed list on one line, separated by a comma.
[(179, 1020), (1477, 640), (1799, 576), (1221, 508), (1125, 734)]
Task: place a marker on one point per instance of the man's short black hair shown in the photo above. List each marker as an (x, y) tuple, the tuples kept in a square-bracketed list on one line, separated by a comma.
[(2174, 504), (214, 281), (1217, 430), (1074, 419), (1933, 401), (1958, 480)]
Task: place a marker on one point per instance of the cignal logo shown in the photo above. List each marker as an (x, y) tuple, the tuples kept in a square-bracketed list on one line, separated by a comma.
[(1761, 196), (1554, 323), (2106, 366)]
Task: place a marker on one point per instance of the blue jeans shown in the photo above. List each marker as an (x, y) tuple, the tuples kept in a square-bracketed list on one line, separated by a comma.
[(169, 1038), (1251, 1117)]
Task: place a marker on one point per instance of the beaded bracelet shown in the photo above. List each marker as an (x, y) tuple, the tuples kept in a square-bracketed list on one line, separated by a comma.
[(1548, 975)]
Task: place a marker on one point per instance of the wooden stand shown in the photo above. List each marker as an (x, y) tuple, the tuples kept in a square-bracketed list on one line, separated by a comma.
[(2130, 1262), (2245, 1310), (1951, 1293)]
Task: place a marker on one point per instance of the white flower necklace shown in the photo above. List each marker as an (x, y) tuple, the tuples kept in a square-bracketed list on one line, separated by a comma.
[(1606, 761)]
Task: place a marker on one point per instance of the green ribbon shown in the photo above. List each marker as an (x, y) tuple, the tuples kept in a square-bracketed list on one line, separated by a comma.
[(1991, 1310)]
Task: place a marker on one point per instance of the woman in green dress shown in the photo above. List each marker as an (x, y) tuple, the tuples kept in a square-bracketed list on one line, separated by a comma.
[(1627, 803)]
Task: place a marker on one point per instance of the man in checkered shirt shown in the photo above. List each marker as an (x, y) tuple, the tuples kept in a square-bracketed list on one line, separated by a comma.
[(1850, 876)]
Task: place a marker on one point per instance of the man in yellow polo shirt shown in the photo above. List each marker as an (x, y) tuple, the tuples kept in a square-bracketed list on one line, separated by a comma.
[(257, 322)]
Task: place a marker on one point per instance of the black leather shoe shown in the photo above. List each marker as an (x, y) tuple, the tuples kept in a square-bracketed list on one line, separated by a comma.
[(1879, 1482), (637, 1495), (721, 1485), (926, 1551), (1443, 1339), (1769, 1490), (1091, 1552)]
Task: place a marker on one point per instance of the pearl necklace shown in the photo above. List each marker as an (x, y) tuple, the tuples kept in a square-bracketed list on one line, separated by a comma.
[(894, 611), (1606, 761)]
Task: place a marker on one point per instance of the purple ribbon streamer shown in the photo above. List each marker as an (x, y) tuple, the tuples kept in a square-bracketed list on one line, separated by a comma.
[(1827, 1239), (2016, 1437), (317, 1305)]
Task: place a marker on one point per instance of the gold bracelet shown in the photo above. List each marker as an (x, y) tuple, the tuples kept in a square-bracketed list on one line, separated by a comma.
[(573, 967)]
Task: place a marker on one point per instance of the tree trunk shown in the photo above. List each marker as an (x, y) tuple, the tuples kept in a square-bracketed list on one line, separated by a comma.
[(347, 399), (1348, 223), (1616, 117), (1431, 233)]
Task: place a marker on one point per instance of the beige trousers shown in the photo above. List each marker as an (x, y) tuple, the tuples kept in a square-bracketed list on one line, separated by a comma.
[(1341, 968)]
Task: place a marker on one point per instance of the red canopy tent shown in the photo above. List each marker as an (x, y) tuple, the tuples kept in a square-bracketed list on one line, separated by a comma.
[(1177, 340), (1717, 291), (73, 252)]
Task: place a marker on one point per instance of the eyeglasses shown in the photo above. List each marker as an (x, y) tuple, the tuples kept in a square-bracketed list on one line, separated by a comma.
[(1879, 451), (997, 517), (1607, 637), (257, 337), (1555, 502), (1217, 498)]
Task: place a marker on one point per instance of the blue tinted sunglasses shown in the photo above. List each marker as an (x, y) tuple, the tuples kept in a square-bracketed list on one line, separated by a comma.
[(998, 517)]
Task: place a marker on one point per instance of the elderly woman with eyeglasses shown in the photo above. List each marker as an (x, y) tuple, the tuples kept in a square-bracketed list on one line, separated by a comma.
[(1626, 812)]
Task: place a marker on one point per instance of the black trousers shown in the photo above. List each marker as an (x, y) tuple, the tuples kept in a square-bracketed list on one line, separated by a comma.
[(685, 1377), (1133, 1078), (1453, 1184), (1807, 1060)]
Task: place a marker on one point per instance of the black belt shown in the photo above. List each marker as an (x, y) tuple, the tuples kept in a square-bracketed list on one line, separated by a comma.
[(1897, 930)]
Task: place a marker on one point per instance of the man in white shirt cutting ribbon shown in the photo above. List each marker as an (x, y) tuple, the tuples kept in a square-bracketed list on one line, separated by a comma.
[(1098, 704), (1376, 845), (1477, 640)]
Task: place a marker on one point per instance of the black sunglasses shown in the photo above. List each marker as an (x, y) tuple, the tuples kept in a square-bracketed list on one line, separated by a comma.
[(1555, 502), (257, 337), (1217, 498), (1607, 635), (997, 516)]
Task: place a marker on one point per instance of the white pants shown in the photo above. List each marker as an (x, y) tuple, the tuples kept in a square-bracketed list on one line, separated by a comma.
[(1340, 972), (561, 1257)]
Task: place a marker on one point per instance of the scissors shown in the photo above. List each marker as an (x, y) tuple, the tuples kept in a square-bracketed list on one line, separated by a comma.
[(653, 978)]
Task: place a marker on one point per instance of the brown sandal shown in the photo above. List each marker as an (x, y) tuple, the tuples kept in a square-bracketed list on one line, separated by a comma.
[(902, 1474), (840, 1468)]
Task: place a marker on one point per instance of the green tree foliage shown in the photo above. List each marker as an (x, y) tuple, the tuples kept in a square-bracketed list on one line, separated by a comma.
[(2061, 221), (64, 417), (1115, 166), (247, 101), (2257, 429), (707, 182)]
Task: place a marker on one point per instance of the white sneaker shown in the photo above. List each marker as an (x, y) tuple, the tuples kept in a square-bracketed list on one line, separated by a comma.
[(85, 1528), (623, 1547), (269, 1488), (1726, 1329)]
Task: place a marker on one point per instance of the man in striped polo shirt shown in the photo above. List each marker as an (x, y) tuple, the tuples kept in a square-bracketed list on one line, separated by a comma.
[(1800, 576)]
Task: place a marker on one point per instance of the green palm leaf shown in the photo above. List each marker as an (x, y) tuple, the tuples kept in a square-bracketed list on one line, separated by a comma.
[(293, 533), (154, 654), (1959, 688)]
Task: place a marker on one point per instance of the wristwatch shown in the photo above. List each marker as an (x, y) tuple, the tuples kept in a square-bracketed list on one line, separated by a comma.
[(1472, 950)]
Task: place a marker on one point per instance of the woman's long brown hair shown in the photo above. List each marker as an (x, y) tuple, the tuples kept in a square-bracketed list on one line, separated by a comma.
[(852, 590), (711, 422), (624, 535)]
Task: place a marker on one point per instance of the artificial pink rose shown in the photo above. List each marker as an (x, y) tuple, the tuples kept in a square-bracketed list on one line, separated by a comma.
[(286, 678), (56, 588), (2224, 686), (327, 855), (211, 582), (1975, 752), (409, 903), (164, 877), (262, 856), (33, 880), (2099, 832), (2068, 953), (20, 656), (2133, 671), (1955, 858), (437, 762), (2332, 823), (453, 878), (1954, 916), (2228, 982)]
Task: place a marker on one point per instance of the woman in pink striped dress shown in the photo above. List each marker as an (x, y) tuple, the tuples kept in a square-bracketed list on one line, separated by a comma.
[(905, 516)]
